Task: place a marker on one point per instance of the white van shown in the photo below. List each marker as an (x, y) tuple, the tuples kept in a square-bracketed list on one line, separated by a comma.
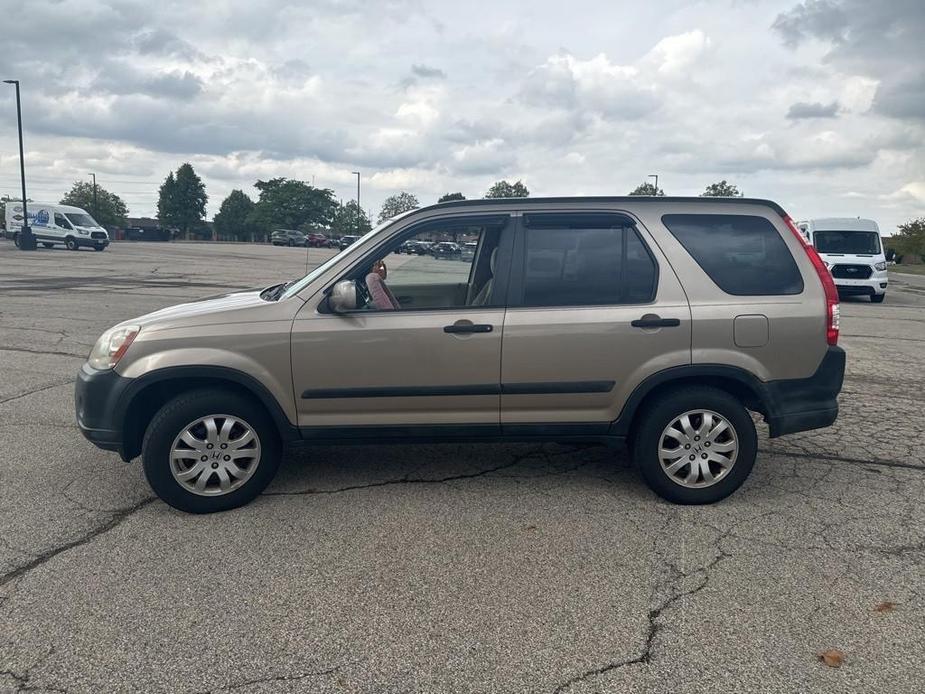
[(852, 250), (69, 226)]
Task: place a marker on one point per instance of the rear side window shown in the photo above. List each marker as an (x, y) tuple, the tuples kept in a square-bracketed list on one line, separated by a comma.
[(585, 260), (743, 254)]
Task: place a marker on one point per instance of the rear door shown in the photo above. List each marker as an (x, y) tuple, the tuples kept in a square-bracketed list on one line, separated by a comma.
[(594, 308)]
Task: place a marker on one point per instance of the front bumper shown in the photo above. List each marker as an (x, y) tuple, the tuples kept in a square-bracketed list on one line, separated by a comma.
[(96, 405), (875, 284), (85, 242), (801, 404)]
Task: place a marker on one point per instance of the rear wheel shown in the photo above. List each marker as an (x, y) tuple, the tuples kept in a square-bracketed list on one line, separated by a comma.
[(48, 245), (877, 298), (210, 450), (695, 446), (71, 243), (16, 240)]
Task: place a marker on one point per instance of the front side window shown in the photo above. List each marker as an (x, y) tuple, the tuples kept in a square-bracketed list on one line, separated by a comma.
[(430, 270), (851, 242), (81, 220), (585, 260), (744, 255), (61, 222)]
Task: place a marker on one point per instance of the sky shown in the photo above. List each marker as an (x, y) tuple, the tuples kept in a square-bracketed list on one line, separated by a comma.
[(819, 105)]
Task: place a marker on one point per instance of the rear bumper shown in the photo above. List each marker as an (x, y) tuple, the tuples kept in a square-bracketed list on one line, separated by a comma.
[(801, 404)]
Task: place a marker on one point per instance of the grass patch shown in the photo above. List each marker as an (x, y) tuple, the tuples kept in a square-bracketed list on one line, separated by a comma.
[(908, 269)]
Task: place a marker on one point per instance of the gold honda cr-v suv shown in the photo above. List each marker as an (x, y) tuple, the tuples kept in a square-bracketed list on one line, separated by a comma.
[(659, 322)]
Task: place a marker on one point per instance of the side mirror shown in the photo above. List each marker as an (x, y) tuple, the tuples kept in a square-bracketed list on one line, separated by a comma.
[(343, 297)]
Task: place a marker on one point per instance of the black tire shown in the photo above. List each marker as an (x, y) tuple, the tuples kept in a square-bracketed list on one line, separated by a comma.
[(168, 423), (71, 244), (16, 240), (98, 248), (48, 245), (877, 298), (290, 244), (656, 416)]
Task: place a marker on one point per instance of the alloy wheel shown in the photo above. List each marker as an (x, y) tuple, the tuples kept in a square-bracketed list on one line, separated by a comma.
[(698, 448), (215, 455)]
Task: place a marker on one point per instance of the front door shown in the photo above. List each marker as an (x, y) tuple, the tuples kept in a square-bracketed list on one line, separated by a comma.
[(594, 308), (429, 364)]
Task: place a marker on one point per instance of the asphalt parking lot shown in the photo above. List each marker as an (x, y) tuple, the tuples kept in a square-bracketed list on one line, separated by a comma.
[(457, 568)]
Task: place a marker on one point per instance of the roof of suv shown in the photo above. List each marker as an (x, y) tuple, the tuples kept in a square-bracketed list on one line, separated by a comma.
[(635, 199)]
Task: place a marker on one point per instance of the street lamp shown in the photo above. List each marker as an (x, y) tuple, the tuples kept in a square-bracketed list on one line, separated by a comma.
[(96, 208), (655, 176), (357, 174), (26, 239)]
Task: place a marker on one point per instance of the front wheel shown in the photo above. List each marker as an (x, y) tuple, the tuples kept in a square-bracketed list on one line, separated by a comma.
[(877, 298), (695, 446), (71, 243), (210, 450)]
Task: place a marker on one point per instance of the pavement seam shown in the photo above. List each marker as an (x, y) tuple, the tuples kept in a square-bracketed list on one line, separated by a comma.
[(272, 678), (114, 521), (840, 459)]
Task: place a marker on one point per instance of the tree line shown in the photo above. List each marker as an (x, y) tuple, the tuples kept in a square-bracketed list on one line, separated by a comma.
[(286, 203)]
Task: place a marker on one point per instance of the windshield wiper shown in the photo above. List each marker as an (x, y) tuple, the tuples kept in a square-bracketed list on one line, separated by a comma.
[(274, 292)]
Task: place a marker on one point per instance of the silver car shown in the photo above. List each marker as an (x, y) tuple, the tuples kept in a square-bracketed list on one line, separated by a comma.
[(653, 322)]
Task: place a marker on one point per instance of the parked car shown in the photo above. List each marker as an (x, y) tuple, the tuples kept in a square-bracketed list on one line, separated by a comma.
[(675, 342), (468, 250), (853, 251), (64, 225), (446, 250), (317, 240), (287, 237), (347, 241)]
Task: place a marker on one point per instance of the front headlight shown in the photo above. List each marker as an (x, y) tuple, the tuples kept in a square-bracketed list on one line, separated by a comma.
[(880, 266), (83, 232), (111, 346)]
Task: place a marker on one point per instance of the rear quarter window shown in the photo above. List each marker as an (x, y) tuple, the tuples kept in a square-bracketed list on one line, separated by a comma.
[(743, 254)]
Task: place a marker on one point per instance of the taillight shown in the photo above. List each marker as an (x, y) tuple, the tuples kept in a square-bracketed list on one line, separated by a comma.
[(828, 284)]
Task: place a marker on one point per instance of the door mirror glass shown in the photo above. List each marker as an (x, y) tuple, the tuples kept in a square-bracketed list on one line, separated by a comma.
[(343, 297)]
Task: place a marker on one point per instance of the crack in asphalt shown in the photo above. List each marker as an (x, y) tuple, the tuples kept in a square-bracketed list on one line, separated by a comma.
[(407, 479), (36, 390), (22, 680), (880, 462), (114, 521), (272, 678), (655, 614), (42, 351)]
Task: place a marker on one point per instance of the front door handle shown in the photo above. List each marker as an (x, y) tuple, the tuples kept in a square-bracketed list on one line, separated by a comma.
[(652, 321), (468, 327)]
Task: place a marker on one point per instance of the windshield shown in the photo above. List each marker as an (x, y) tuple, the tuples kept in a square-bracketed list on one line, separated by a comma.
[(78, 219), (853, 242), (356, 247)]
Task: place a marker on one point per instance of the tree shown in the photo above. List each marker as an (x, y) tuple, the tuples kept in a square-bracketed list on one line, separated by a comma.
[(110, 210), (503, 189), (449, 197), (345, 220), (234, 217), (911, 238), (396, 204), (286, 203), (647, 189), (182, 200), (721, 190)]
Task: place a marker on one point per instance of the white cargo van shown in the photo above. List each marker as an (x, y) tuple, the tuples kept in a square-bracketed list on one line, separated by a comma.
[(852, 250), (69, 226)]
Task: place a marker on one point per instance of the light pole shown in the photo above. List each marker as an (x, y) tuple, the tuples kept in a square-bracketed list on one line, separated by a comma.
[(357, 174), (655, 176), (96, 208), (26, 239)]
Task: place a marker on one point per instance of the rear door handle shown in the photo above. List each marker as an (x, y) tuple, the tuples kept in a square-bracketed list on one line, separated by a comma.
[(467, 327), (656, 322)]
